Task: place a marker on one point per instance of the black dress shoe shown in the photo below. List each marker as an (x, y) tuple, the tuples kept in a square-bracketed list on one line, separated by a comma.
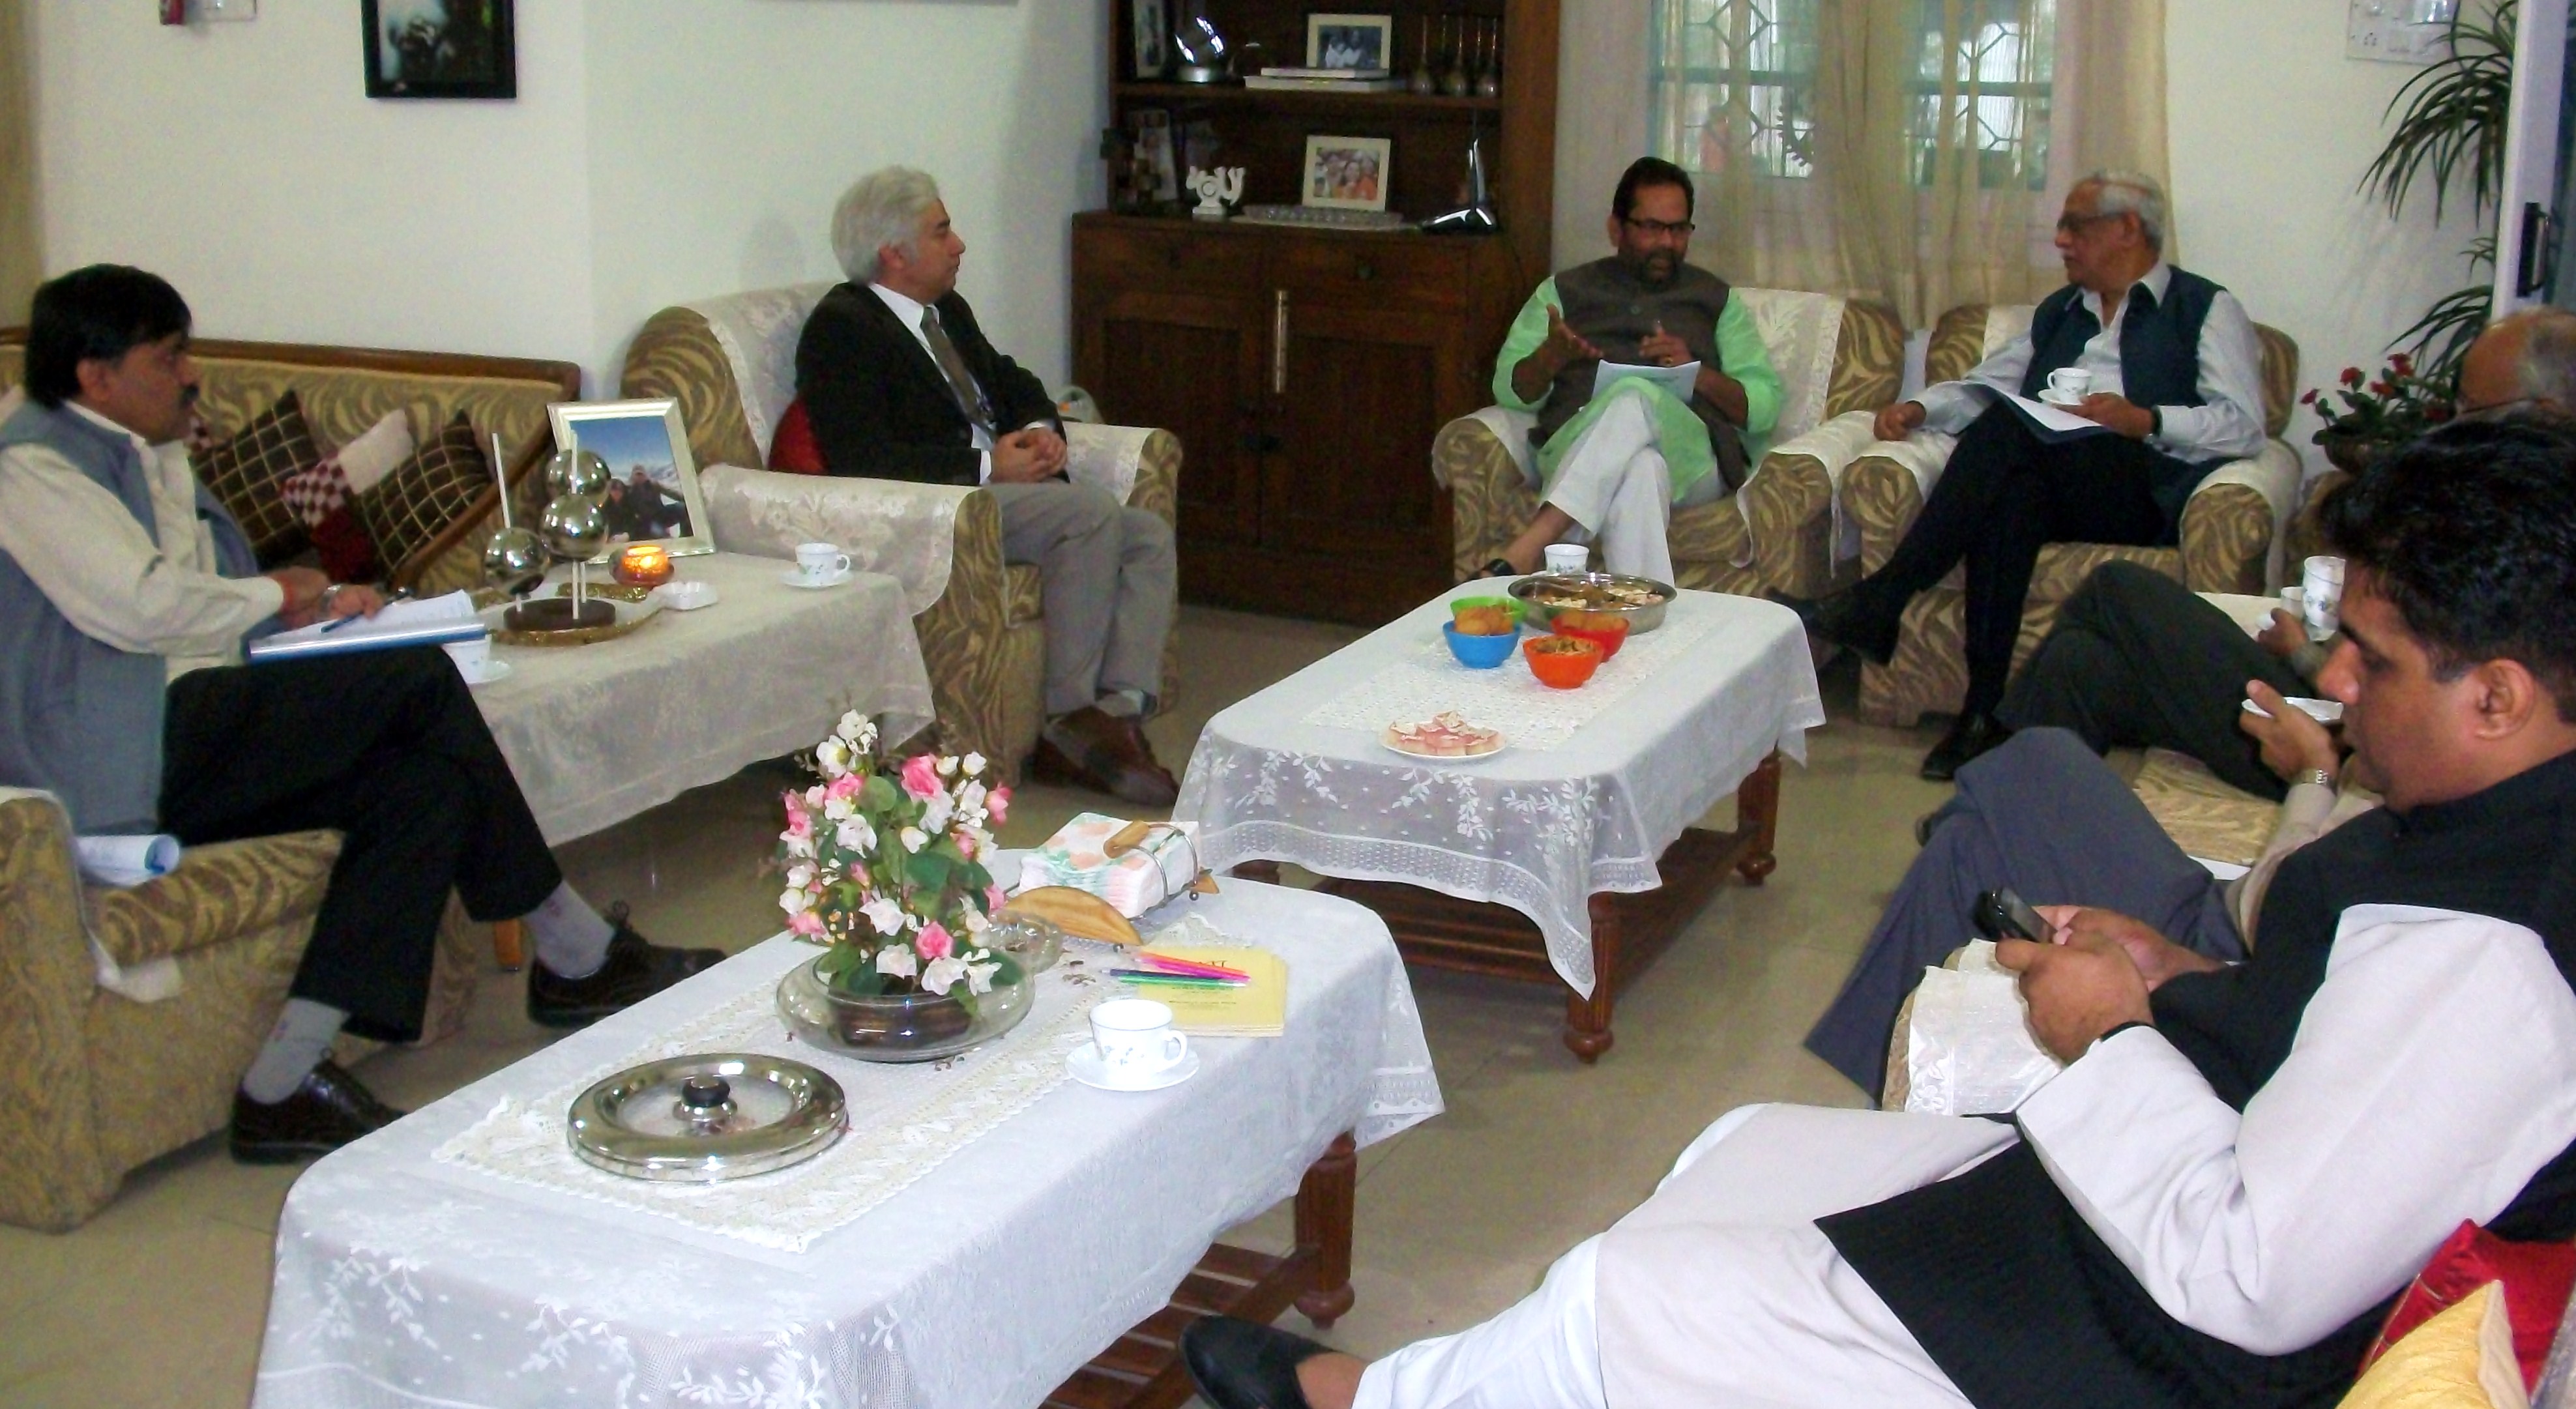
[(1240, 1364), (1970, 735), (1849, 618), (635, 970), (326, 1110)]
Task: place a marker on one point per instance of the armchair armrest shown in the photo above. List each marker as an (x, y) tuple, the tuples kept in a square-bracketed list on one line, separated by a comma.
[(903, 530), (1884, 488), (1510, 431), (1814, 463), (2237, 521), (1108, 456)]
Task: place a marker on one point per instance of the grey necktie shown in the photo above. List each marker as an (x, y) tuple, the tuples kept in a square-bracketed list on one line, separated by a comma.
[(961, 383)]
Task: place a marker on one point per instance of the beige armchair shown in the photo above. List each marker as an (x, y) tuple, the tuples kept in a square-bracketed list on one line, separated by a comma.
[(731, 364), (1838, 361), (2232, 530)]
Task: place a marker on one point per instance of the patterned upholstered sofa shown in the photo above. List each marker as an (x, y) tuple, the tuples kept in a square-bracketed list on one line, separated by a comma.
[(731, 364), (2232, 530), (1837, 360), (92, 1083)]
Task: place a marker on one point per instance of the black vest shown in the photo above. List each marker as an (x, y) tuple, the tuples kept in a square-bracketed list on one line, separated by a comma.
[(2017, 1299), (2159, 361), (1614, 310)]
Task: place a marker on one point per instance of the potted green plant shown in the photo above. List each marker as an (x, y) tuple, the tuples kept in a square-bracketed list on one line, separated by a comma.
[(2398, 405)]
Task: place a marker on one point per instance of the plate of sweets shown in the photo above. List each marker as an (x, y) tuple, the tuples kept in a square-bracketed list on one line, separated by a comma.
[(1444, 738)]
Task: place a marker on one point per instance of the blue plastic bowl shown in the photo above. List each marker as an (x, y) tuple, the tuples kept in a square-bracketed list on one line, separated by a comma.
[(1480, 652)]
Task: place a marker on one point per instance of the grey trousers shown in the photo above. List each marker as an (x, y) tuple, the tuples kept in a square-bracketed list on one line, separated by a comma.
[(1110, 576), (2045, 816), (2137, 660)]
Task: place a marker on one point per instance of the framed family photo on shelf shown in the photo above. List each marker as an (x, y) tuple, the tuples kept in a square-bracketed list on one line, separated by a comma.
[(1350, 41), (1346, 173), (652, 492), (1153, 38), (440, 48)]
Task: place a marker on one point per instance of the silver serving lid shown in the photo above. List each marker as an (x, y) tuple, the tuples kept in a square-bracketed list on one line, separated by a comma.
[(706, 1118)]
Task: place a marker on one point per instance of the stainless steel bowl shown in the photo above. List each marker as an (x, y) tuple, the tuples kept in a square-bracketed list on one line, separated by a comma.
[(1533, 589), (707, 1118)]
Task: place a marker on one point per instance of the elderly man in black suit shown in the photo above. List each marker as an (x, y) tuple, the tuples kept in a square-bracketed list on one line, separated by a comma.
[(900, 383)]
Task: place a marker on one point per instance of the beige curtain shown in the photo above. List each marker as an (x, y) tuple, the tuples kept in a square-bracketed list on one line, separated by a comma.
[(1914, 151), (21, 265)]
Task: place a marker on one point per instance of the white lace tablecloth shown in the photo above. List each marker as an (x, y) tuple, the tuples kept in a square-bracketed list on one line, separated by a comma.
[(598, 733), (1292, 774), (407, 1280)]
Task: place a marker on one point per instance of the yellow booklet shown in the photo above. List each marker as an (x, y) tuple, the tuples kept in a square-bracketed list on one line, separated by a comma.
[(1257, 1009)]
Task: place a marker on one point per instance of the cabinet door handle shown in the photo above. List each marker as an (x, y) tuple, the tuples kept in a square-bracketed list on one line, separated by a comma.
[(1279, 343)]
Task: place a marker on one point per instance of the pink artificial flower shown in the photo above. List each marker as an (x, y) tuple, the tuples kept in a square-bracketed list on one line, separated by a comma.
[(998, 806), (995, 898), (847, 785), (934, 941), (805, 922), (921, 776), (798, 823)]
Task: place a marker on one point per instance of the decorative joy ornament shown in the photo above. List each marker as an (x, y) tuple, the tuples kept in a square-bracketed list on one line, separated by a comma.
[(1216, 190)]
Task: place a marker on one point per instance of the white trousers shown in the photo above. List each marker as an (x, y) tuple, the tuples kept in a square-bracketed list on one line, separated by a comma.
[(1813, 1334), (1613, 482)]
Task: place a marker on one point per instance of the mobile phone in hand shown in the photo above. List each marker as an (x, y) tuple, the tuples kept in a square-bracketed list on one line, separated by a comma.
[(2001, 914)]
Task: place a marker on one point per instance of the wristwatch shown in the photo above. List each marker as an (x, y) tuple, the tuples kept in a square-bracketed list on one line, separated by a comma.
[(2318, 776), (330, 594), (2155, 421)]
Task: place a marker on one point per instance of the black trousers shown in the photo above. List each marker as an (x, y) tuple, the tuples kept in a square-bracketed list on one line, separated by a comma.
[(2005, 495), (388, 748), (2138, 660), (2041, 814)]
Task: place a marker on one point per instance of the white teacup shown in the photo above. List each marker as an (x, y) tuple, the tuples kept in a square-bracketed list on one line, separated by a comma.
[(2070, 383), (2321, 596), (1135, 1038), (472, 658), (1573, 559), (817, 562)]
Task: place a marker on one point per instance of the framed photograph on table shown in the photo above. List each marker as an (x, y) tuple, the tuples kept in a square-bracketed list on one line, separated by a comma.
[(1350, 41), (652, 479), (1346, 173), (1152, 28), (440, 48), (1158, 172)]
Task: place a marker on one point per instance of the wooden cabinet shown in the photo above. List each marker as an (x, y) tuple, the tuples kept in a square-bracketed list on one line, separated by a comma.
[(1306, 374), (1306, 371)]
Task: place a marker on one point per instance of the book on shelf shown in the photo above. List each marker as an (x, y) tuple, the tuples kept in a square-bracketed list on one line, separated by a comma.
[(1291, 71), (1264, 83)]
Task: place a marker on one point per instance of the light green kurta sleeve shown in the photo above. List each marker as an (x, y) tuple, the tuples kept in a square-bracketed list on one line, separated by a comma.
[(1528, 331), (1741, 355)]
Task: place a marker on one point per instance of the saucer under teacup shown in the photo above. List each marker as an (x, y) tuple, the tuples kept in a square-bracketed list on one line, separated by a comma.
[(1087, 1067)]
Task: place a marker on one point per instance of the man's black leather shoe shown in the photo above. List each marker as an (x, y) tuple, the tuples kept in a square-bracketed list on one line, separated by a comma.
[(1969, 736), (635, 970), (1846, 619), (1240, 1364), (329, 1109)]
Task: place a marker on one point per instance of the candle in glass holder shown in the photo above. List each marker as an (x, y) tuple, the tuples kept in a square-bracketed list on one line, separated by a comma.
[(644, 565)]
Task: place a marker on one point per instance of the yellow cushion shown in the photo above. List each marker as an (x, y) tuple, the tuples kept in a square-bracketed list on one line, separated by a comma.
[(2461, 1359)]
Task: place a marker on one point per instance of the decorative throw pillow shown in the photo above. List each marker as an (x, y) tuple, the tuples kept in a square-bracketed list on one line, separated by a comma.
[(245, 472), (319, 497), (2460, 1359), (2536, 1278), (794, 449), (425, 494)]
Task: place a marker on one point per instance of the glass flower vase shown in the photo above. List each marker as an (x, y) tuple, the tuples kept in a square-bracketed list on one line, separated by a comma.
[(909, 1026)]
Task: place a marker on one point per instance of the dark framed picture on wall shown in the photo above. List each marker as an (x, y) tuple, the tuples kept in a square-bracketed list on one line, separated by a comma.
[(440, 49)]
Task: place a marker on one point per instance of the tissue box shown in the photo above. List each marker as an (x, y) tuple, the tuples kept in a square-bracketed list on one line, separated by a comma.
[(1077, 856)]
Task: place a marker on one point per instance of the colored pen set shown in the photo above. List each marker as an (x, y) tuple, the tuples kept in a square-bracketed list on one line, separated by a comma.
[(1180, 973)]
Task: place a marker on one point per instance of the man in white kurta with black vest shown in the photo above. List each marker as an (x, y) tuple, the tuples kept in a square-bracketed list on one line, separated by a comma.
[(1614, 466), (2176, 381), (2217, 1201)]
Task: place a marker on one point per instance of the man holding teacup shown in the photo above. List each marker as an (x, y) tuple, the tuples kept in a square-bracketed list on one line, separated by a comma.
[(2163, 360)]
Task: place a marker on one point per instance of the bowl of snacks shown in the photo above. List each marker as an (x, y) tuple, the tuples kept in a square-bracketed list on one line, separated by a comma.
[(1608, 630), (1483, 631), (1562, 662), (1641, 600)]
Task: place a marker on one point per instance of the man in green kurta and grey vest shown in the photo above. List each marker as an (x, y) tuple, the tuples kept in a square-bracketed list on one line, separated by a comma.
[(1614, 464)]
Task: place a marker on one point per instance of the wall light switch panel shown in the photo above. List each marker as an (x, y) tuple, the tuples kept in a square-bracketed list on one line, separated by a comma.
[(2397, 31), (227, 9)]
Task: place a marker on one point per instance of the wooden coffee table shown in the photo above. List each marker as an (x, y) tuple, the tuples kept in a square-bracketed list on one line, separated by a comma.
[(1571, 857)]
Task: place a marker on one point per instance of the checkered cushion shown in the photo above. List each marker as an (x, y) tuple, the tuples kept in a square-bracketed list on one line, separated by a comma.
[(426, 493), (247, 471), (312, 495)]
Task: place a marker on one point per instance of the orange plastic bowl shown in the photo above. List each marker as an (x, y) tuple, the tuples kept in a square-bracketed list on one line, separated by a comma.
[(1609, 640), (1562, 662)]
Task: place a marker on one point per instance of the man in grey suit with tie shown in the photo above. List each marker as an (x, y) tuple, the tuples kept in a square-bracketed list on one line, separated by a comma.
[(898, 382)]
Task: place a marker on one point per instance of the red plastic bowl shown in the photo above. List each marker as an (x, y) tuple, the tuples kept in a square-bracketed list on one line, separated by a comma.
[(1609, 641), (1560, 668)]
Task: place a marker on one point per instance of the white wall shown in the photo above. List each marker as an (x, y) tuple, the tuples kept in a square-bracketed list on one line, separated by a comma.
[(2270, 127), (659, 150)]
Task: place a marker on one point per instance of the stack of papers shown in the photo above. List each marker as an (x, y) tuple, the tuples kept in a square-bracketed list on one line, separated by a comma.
[(434, 621), (1257, 1009)]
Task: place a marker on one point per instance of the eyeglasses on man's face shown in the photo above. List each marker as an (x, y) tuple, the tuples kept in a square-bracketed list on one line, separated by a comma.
[(2073, 224), (1666, 229)]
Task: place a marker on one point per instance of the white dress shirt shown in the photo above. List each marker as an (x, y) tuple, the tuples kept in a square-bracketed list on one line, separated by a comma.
[(2228, 425), (151, 588)]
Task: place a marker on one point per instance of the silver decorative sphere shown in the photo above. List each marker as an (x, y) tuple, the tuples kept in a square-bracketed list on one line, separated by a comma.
[(580, 473), (573, 528), (514, 561)]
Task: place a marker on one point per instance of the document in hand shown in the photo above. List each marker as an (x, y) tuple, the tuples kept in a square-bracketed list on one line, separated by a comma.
[(1680, 381), (2051, 423), (432, 622)]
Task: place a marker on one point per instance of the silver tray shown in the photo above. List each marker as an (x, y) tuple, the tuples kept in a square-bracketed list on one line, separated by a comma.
[(1640, 619), (707, 1118)]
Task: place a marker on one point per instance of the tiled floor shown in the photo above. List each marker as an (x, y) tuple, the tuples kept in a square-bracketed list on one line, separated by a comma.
[(160, 1300)]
